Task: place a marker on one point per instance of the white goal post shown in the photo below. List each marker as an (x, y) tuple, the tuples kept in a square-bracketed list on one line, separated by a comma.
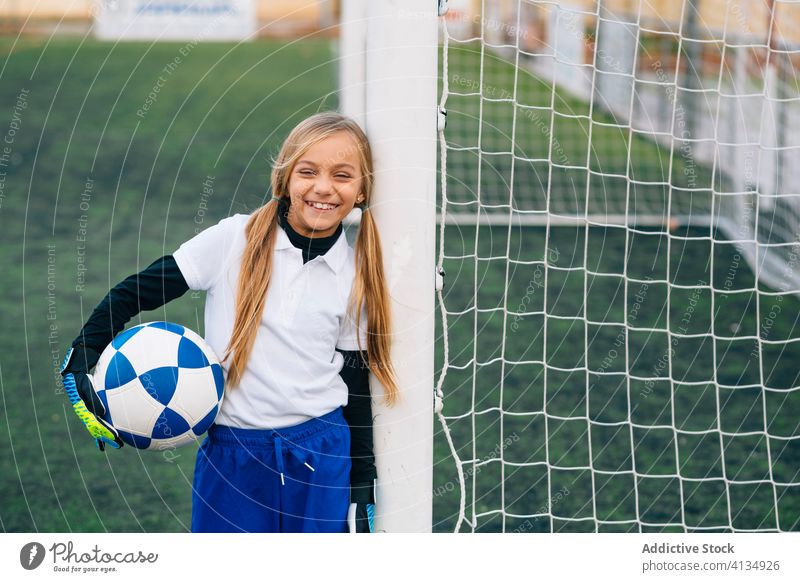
[(394, 45)]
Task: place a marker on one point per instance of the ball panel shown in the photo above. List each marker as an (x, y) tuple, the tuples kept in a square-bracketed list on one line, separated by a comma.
[(160, 383), (134, 440), (219, 380), (152, 348), (195, 395), (124, 336), (166, 325), (202, 426), (118, 372), (169, 424), (174, 442), (132, 408), (190, 355), (101, 394), (197, 339), (102, 365)]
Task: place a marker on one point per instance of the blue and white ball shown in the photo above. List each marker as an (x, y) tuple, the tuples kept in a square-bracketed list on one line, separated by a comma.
[(161, 384)]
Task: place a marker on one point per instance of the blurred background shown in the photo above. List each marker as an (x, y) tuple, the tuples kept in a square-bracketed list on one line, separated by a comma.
[(268, 17)]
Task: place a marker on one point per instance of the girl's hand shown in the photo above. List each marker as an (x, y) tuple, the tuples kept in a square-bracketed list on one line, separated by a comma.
[(83, 397), (361, 516)]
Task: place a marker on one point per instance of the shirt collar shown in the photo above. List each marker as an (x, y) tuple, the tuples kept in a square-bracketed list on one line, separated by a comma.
[(335, 257)]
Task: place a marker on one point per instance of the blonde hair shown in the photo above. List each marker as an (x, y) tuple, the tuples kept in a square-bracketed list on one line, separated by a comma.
[(369, 286)]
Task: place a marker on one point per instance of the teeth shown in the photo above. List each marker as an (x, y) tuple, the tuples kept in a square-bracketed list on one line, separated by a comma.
[(322, 206)]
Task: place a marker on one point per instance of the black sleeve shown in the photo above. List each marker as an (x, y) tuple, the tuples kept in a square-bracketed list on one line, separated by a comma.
[(157, 285), (358, 414)]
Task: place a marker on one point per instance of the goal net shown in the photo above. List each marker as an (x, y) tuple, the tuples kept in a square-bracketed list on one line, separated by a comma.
[(619, 231)]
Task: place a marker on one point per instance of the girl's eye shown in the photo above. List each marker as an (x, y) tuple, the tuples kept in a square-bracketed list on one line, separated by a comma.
[(342, 175), (307, 172)]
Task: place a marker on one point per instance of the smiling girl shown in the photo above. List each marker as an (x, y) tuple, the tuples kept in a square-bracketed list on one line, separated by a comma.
[(301, 318)]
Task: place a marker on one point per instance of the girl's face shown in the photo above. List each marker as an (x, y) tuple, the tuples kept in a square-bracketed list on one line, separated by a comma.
[(324, 185)]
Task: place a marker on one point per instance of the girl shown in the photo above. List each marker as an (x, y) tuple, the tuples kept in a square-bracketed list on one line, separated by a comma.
[(301, 319)]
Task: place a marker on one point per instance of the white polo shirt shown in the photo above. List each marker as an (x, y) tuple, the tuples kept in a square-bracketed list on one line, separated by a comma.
[(292, 374)]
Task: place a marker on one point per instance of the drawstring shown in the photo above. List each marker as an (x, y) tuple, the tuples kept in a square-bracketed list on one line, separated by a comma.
[(279, 456), (279, 447)]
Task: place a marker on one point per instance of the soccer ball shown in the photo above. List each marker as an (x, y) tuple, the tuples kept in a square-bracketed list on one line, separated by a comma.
[(161, 384)]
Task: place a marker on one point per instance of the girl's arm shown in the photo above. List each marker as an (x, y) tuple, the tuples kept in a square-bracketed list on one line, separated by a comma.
[(358, 414), (159, 283)]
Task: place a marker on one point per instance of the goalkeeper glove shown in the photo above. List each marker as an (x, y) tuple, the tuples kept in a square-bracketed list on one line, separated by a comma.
[(361, 516), (83, 397)]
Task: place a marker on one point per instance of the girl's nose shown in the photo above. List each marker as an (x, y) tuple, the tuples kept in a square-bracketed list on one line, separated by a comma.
[(322, 185)]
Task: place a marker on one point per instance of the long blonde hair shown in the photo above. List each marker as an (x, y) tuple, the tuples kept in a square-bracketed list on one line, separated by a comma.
[(369, 286)]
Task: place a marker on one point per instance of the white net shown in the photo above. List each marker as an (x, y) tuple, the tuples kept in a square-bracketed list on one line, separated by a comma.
[(620, 224)]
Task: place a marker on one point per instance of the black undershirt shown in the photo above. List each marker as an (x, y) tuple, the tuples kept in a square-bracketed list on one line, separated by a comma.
[(311, 247), (162, 281)]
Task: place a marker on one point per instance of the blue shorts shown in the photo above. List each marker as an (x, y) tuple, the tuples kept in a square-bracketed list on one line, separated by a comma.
[(294, 479)]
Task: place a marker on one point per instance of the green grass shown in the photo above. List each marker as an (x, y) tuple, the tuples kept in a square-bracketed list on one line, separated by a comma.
[(547, 408), (222, 113)]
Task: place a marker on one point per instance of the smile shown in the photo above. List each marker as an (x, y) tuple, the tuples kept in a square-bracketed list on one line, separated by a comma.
[(322, 206)]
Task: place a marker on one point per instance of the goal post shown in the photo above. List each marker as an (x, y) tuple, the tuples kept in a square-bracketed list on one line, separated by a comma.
[(393, 45)]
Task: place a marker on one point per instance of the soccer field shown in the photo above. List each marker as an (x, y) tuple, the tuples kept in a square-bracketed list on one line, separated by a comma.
[(607, 376), (548, 428), (108, 174)]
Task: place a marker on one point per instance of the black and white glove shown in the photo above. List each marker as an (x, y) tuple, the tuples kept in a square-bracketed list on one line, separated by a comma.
[(361, 516)]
